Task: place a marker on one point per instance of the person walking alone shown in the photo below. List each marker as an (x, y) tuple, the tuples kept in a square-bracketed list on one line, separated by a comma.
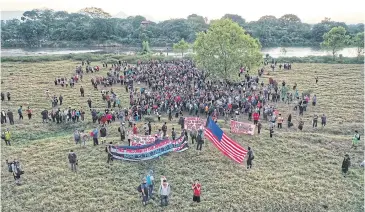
[(20, 112), (346, 163), (72, 158), (7, 137), (110, 156), (29, 112), (82, 92), (250, 158)]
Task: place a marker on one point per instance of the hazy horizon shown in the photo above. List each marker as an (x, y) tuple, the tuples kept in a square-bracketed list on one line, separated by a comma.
[(309, 11)]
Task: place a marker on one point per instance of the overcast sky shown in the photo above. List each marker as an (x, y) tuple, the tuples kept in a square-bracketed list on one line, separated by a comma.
[(310, 11)]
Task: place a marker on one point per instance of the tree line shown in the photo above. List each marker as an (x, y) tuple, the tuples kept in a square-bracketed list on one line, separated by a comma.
[(92, 26)]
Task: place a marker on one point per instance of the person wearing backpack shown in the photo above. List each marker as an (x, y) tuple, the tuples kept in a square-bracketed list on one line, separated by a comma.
[(143, 189), (17, 171), (103, 134), (250, 158), (150, 182), (10, 169), (72, 158), (355, 139)]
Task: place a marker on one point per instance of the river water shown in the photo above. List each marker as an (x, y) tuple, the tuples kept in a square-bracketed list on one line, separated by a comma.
[(274, 52)]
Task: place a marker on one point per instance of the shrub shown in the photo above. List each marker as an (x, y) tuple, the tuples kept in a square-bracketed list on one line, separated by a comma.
[(149, 118)]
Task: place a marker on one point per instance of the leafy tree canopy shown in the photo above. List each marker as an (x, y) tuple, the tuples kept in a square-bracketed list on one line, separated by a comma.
[(224, 48)]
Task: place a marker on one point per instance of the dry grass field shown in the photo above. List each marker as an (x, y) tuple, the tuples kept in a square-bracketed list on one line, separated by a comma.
[(293, 171)]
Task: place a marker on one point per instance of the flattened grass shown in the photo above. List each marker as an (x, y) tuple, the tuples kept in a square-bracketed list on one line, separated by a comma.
[(294, 171)]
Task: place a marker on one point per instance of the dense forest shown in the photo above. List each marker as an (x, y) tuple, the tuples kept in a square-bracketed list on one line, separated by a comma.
[(92, 26)]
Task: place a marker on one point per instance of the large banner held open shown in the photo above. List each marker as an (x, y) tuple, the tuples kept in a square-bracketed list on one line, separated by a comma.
[(193, 123), (242, 128), (149, 151)]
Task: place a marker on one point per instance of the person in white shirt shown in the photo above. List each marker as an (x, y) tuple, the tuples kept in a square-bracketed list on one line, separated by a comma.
[(164, 191)]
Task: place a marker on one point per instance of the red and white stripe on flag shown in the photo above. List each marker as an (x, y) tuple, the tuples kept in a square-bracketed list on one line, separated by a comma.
[(227, 146)]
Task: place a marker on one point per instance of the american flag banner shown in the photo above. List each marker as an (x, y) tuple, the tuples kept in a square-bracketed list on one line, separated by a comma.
[(226, 145)]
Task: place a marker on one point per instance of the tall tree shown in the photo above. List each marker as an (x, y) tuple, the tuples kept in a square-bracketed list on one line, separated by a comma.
[(181, 47), (94, 12), (235, 18), (224, 48), (358, 41), (335, 40)]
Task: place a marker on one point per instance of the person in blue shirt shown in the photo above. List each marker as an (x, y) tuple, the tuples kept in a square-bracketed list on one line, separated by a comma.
[(150, 183), (20, 112)]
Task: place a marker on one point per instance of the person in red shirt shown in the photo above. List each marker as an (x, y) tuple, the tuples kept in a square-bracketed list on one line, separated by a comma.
[(196, 188), (135, 130), (256, 117)]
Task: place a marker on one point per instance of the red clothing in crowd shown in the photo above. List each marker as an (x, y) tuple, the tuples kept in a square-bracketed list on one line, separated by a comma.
[(135, 130), (256, 116), (196, 188)]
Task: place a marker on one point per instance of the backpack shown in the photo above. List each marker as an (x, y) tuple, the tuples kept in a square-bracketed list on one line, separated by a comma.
[(18, 170), (77, 136), (9, 167), (139, 188), (73, 157)]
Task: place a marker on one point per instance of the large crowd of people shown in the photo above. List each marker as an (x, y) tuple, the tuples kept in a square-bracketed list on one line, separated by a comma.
[(174, 89)]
